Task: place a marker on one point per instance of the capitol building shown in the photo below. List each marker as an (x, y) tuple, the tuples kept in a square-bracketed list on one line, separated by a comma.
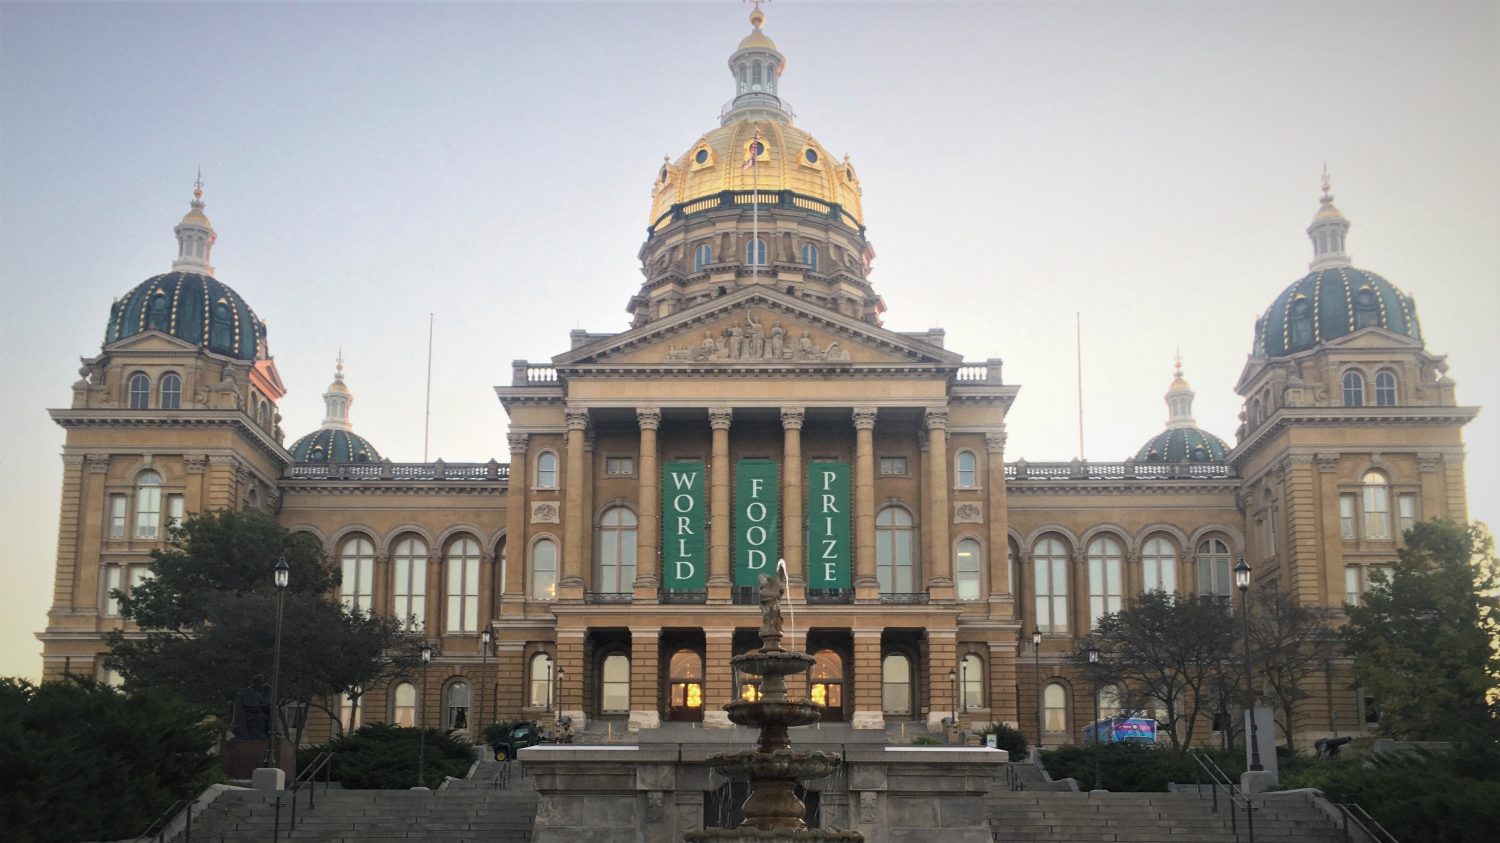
[(760, 409)]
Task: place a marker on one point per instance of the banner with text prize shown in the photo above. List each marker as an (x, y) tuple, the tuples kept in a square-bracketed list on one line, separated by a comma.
[(683, 561), (828, 546), (755, 512)]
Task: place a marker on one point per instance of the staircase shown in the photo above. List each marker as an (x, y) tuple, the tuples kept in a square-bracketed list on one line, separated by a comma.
[(1058, 817), (463, 815)]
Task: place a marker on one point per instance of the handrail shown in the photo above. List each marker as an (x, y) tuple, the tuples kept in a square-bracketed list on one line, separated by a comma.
[(1218, 778), (1360, 817), (1013, 779), (502, 778), (323, 763), (158, 827)]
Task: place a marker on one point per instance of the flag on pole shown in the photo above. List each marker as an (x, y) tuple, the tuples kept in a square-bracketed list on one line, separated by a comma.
[(752, 152)]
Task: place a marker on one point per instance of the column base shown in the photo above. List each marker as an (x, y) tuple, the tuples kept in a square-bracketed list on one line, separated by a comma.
[(720, 592), (868, 720), (570, 590), (645, 590), (643, 720)]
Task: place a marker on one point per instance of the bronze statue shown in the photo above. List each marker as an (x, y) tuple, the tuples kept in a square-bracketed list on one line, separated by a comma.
[(772, 589), (252, 710)]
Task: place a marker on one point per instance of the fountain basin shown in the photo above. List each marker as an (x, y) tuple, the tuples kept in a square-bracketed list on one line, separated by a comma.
[(773, 663), (781, 764), (773, 835), (778, 713)]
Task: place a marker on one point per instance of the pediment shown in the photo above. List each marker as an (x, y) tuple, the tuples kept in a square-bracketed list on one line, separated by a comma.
[(151, 341), (757, 327)]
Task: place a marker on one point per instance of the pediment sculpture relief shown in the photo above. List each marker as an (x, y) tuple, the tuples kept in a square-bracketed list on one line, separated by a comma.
[(752, 342)]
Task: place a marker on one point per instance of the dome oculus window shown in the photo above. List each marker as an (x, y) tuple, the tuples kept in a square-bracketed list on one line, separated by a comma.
[(701, 157), (810, 155)]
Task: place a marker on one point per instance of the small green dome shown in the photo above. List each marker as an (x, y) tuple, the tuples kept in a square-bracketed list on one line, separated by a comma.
[(335, 446), (1183, 444), (1330, 303), (192, 307)]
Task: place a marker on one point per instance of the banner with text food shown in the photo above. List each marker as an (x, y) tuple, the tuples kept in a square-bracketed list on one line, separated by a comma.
[(683, 517), (829, 550), (755, 511)]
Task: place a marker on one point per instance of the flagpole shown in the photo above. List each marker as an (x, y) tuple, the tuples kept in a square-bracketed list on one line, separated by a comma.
[(755, 209)]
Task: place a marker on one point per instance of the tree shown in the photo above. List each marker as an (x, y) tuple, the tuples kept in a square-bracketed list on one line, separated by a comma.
[(1289, 643), (82, 761), (207, 615), (1424, 641), (1170, 649)]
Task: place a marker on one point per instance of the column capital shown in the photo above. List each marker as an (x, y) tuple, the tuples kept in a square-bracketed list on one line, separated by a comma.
[(995, 442), (517, 442), (719, 417), (792, 417), (864, 418), (195, 463), (577, 419), (649, 418), (1429, 460), (1327, 462), (936, 418), (97, 463)]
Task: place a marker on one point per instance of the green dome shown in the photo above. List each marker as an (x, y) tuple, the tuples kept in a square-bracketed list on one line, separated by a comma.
[(333, 445), (192, 307), (1331, 303), (1183, 444)]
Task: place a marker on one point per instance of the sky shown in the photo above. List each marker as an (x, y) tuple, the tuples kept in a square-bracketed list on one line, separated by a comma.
[(1150, 167)]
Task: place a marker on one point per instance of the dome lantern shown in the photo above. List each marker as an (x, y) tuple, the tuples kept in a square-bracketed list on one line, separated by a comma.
[(195, 236), (1327, 232), (1180, 400), (335, 440), (756, 66), (1183, 440), (337, 399)]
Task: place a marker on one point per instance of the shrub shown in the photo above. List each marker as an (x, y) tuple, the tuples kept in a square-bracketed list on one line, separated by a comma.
[(1008, 738), (1133, 767), (926, 740), (384, 757)]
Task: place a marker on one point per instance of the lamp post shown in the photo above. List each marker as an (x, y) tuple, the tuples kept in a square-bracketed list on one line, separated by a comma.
[(1036, 649), (477, 721), (1094, 675), (1242, 582), (557, 703), (963, 683), (281, 576), (422, 719), (953, 682)]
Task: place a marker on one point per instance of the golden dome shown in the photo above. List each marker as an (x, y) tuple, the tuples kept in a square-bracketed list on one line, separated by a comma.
[(196, 217), (1328, 211), (757, 39), (793, 160)]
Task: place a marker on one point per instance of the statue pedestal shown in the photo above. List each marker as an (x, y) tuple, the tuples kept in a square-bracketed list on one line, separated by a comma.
[(240, 758)]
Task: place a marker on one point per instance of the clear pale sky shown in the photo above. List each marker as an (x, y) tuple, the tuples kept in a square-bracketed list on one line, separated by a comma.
[(1150, 165)]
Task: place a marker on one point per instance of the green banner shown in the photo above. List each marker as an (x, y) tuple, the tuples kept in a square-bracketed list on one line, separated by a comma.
[(755, 510), (829, 550), (683, 517)]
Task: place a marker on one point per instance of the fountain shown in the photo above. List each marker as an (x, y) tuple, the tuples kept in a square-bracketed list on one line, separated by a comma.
[(773, 812)]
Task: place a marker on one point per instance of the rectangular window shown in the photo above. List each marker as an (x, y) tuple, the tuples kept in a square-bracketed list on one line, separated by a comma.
[(349, 716), (1346, 517), (175, 510), (893, 466), (1273, 548), (1352, 589), (148, 512), (1407, 511), (117, 507), (113, 581), (411, 590), (1104, 586), (619, 466), (1377, 512)]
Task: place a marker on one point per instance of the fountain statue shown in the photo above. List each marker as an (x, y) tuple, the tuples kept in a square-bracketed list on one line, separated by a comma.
[(773, 812)]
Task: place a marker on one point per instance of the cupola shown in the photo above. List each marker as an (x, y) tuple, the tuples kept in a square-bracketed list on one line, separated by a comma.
[(1183, 440), (335, 440), (756, 66), (195, 236)]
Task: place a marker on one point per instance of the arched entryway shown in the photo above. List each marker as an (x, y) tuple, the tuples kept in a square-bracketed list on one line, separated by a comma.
[(825, 684), (685, 685)]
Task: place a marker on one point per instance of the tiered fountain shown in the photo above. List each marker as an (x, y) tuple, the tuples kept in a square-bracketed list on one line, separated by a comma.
[(773, 812)]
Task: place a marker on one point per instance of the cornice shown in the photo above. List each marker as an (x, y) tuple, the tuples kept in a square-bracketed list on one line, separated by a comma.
[(1348, 417), (397, 487), (71, 418), (1227, 486)]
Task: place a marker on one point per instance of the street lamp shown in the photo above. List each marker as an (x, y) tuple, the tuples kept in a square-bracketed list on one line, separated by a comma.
[(282, 575), (953, 681), (422, 719), (1036, 649), (963, 676), (478, 720), (557, 707), (1094, 674), (1242, 582)]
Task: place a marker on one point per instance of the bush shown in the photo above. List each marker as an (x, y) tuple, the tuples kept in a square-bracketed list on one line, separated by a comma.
[(384, 757), (82, 761), (1133, 767), (926, 740), (1008, 738)]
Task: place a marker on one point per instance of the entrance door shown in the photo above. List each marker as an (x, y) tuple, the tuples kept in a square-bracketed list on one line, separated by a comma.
[(685, 686), (826, 684)]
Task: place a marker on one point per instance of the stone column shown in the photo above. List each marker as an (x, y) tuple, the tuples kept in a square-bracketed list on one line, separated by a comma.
[(866, 586), (868, 712), (70, 526), (942, 648), (570, 663), (719, 580), (486, 584), (575, 526), (645, 677), (718, 685), (648, 532), (939, 554), (791, 501), (1002, 601), (515, 524)]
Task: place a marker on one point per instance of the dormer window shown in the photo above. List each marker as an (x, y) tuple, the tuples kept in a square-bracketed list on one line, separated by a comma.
[(1301, 327), (1366, 308)]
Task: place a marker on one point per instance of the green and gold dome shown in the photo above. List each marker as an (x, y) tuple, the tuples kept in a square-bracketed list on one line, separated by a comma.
[(1183, 440), (335, 441)]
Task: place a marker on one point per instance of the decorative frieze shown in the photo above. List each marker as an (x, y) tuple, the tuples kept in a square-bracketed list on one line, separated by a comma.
[(752, 342)]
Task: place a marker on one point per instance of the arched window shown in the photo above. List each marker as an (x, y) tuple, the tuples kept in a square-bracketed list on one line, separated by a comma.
[(1213, 568), (463, 586), (1105, 581), (702, 256), (171, 391), (614, 684), (456, 707), (404, 704), (968, 470), (826, 683), (409, 572), (544, 570), (968, 561), (893, 551), (147, 505), (357, 564), (1385, 389), (262, 413), (810, 256), (1109, 702), (1377, 500), (895, 684), (140, 391), (546, 470), (1011, 557), (755, 74), (1055, 705), (1354, 389), (755, 252), (1254, 416), (1050, 563), (1159, 565), (685, 686), (539, 682), (971, 681), (615, 563)]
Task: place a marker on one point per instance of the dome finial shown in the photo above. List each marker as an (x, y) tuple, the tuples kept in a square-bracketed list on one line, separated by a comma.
[(1327, 186), (757, 17)]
